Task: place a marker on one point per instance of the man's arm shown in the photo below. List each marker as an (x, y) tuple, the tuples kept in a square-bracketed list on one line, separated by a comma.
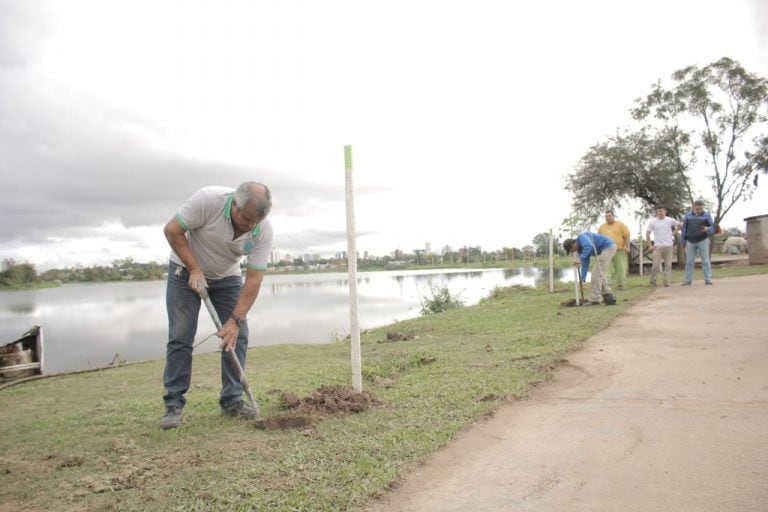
[(584, 256), (627, 238), (248, 294), (174, 233), (711, 228), (648, 243)]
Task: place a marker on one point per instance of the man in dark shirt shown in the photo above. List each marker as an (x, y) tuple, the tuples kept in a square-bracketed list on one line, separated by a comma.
[(697, 227)]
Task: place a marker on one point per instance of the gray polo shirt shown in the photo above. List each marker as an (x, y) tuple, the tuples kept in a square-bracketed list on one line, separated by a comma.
[(206, 218)]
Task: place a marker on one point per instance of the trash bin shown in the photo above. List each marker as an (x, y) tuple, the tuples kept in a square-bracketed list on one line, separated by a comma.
[(757, 239)]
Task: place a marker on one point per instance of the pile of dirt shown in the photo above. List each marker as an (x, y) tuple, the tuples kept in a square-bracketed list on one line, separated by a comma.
[(330, 400), (398, 336), (70, 461), (324, 401)]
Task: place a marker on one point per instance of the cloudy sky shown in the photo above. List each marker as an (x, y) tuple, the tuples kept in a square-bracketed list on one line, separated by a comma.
[(464, 116)]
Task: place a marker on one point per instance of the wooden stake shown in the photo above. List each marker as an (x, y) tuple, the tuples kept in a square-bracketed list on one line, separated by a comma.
[(354, 326)]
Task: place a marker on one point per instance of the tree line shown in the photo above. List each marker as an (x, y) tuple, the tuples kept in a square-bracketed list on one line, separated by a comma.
[(23, 275)]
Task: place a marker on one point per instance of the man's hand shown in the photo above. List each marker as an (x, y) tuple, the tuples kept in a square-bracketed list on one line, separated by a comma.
[(228, 335), (196, 276)]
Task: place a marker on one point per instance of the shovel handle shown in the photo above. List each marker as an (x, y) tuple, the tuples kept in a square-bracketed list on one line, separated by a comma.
[(243, 380), (233, 360)]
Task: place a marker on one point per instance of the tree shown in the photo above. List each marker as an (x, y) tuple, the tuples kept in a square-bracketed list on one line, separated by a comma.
[(529, 250), (760, 157), (23, 274), (511, 253), (541, 243), (718, 111), (651, 168)]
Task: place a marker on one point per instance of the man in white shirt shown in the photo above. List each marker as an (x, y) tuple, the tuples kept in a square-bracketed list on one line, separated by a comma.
[(209, 236), (664, 229)]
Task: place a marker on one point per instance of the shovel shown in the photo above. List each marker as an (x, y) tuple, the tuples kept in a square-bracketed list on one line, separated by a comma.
[(230, 353), (581, 289)]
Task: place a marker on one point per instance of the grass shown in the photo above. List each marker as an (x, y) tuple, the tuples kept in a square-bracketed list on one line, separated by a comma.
[(91, 441)]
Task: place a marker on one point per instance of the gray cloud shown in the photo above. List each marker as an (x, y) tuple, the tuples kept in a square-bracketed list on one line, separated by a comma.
[(71, 164), (65, 167)]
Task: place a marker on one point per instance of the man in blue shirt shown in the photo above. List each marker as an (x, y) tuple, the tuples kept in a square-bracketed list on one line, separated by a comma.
[(603, 248), (697, 227)]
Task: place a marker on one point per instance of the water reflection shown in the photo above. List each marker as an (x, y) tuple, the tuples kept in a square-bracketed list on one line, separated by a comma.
[(87, 325), (23, 309)]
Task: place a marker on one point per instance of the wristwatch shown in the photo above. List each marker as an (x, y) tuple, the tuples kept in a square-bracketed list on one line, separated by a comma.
[(238, 321)]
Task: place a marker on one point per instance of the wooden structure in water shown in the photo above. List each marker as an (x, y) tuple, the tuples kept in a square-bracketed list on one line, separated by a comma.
[(23, 357)]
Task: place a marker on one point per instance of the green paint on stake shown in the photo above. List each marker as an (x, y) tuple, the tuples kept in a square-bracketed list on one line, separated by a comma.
[(348, 158)]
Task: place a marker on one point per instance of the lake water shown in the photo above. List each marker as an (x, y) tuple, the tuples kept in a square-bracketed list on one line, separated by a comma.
[(87, 325)]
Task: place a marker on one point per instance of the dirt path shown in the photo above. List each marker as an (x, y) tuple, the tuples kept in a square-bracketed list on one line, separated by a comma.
[(666, 410)]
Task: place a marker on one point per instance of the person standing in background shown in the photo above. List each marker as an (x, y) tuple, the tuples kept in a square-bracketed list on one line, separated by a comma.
[(664, 229), (698, 226), (619, 233)]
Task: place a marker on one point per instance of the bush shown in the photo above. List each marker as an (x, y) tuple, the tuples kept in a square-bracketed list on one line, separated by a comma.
[(440, 300), (23, 274)]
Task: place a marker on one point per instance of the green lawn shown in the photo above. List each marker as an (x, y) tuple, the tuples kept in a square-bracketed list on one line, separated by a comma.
[(91, 441)]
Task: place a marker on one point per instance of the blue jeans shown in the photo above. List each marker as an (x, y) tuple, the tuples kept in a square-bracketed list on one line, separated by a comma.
[(702, 249), (183, 306)]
